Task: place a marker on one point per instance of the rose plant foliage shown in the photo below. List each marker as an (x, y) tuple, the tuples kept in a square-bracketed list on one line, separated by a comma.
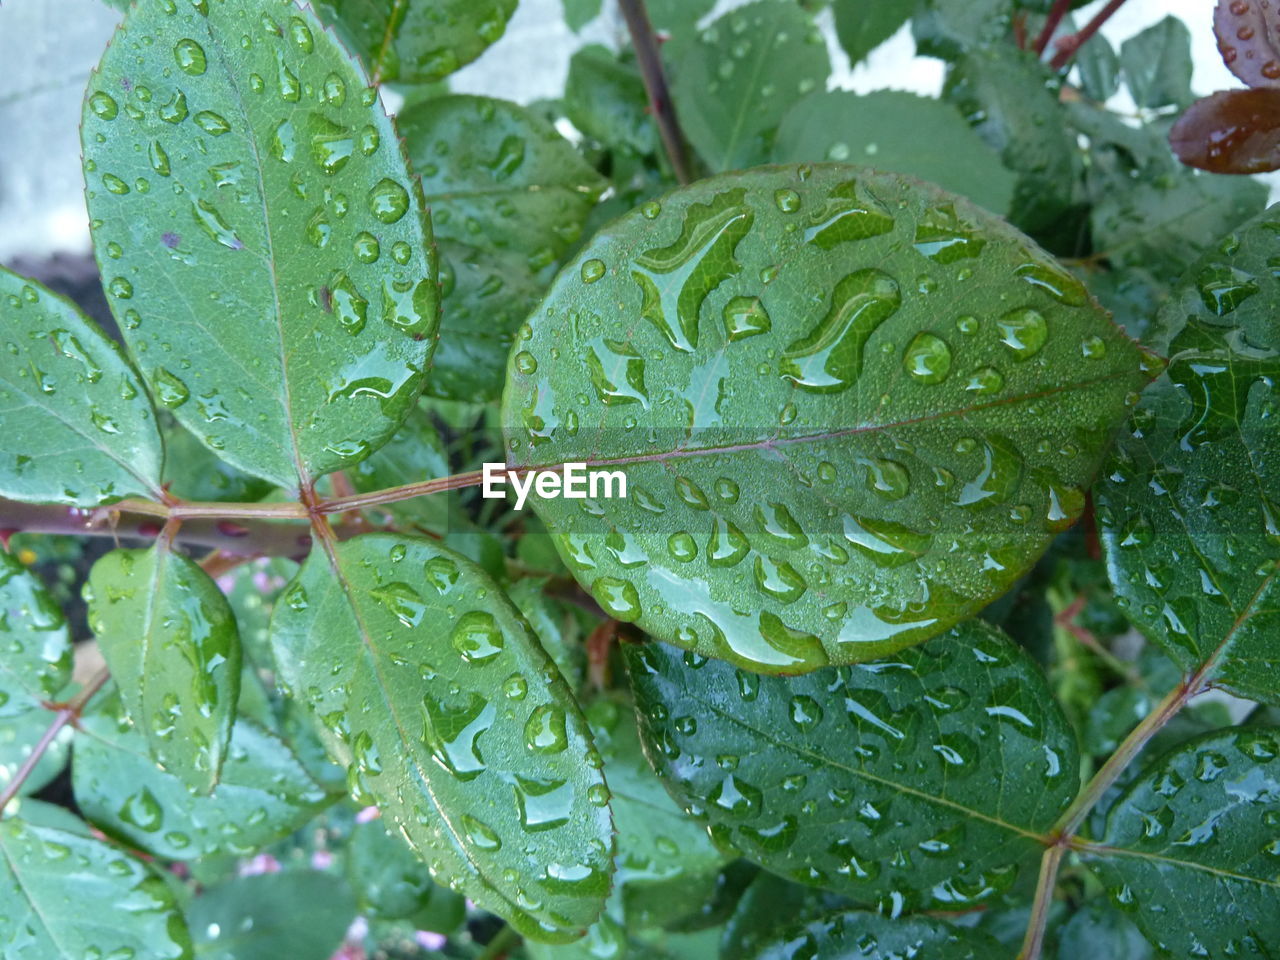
[(951, 437)]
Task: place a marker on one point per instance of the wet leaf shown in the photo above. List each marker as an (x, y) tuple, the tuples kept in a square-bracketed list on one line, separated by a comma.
[(873, 937), (194, 472), (605, 99), (863, 26), (432, 690), (1202, 825), (66, 896), (850, 409), (734, 84), (1101, 930), (1232, 131), (1156, 64), (883, 130), (18, 737), (769, 905), (950, 28), (421, 41), (920, 780), (78, 427), (262, 243), (299, 914), (509, 195), (1249, 40), (33, 635), (392, 882), (1189, 511), (677, 18), (264, 793), (169, 637)]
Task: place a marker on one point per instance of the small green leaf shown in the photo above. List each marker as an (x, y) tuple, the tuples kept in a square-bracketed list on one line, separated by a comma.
[(392, 883), (925, 779), (736, 82), (511, 195), (605, 99), (79, 429), (1189, 506), (66, 896), (769, 904), (1099, 68), (1101, 930), (264, 793), (33, 635), (677, 18), (863, 26), (883, 130), (869, 936), (578, 13), (299, 914), (851, 410), (194, 472), (169, 637), (418, 42), (950, 28), (1157, 64), (1200, 826), (432, 690), (263, 246)]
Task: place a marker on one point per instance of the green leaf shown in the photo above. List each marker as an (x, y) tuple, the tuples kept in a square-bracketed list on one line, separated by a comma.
[(1099, 68), (1157, 64), (511, 195), (863, 26), (18, 737), (391, 882), (605, 99), (264, 793), (815, 380), (421, 41), (578, 13), (1100, 930), (883, 130), (414, 454), (65, 896), (299, 914), (33, 634), (79, 428), (677, 18), (736, 82), (194, 472), (769, 904), (1200, 827), (263, 245), (950, 28), (169, 637), (872, 937), (925, 779), (1189, 511), (453, 721)]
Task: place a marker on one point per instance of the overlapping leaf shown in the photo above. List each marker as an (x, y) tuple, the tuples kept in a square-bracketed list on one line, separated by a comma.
[(851, 410), (262, 243), (870, 936), (921, 779), (434, 693), (169, 637), (862, 27), (1157, 64), (1201, 829), (66, 896), (1189, 506), (300, 914), (264, 792), (78, 427), (1249, 40)]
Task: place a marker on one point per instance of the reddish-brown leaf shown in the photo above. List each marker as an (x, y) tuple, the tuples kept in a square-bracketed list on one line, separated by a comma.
[(1248, 34), (1232, 131)]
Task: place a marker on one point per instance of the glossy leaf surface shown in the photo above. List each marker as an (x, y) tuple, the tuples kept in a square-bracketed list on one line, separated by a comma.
[(264, 792), (1203, 824), (733, 85), (508, 196), (1248, 33), (1232, 131), (36, 664), (883, 130), (916, 780), (874, 937), (1189, 506), (418, 41), (606, 100), (851, 410), (169, 637), (263, 246), (78, 427), (434, 693), (66, 896)]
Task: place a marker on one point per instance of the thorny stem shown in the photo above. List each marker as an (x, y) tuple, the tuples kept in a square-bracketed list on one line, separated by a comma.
[(68, 712), (1059, 10), (1068, 46), (655, 84)]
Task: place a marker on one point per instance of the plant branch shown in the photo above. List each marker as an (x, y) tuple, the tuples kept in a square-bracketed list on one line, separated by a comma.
[(68, 712), (1051, 23), (1068, 46), (362, 501), (1034, 939), (655, 84), (501, 944)]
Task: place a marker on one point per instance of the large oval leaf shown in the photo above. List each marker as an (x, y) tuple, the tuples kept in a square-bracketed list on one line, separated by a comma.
[(433, 690), (868, 936), (1190, 505), (264, 792), (925, 779), (169, 637), (79, 429), (65, 896), (263, 244), (851, 410), (1202, 827)]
